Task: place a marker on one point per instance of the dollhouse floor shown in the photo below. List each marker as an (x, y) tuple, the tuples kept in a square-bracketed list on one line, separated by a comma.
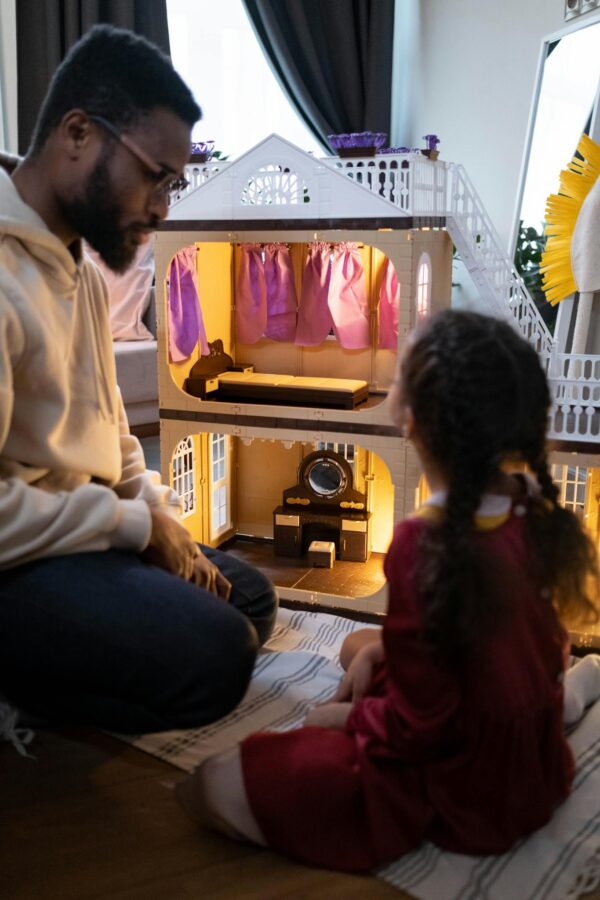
[(345, 579)]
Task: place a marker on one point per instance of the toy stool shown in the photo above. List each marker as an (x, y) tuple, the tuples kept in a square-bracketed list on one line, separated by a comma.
[(321, 553)]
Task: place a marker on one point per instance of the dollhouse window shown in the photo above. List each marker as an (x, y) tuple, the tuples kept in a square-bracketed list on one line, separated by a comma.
[(184, 475), (572, 483), (220, 519), (345, 450), (423, 286)]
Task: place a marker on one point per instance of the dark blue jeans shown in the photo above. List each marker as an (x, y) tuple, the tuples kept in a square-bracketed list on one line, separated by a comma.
[(105, 639)]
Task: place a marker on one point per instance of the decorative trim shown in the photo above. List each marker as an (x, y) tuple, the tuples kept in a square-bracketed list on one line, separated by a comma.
[(271, 422), (574, 8)]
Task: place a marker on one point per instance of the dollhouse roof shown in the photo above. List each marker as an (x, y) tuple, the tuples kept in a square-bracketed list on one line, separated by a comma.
[(277, 181)]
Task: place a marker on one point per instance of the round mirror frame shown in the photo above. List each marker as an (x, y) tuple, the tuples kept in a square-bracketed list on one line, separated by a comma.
[(331, 464)]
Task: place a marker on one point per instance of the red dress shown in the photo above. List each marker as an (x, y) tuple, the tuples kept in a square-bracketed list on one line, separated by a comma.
[(472, 761)]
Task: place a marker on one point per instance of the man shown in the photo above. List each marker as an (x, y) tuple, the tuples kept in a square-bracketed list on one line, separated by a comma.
[(110, 614)]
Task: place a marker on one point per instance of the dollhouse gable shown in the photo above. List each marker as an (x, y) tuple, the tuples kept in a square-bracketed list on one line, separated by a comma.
[(276, 180)]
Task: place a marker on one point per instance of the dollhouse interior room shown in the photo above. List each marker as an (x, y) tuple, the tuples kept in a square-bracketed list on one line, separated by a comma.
[(261, 337)]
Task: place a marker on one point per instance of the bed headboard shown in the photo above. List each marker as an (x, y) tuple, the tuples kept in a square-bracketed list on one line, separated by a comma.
[(216, 362)]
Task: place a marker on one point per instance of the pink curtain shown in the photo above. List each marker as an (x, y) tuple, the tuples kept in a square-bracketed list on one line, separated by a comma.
[(314, 317), (281, 293), (251, 295), (348, 300), (389, 307), (184, 315)]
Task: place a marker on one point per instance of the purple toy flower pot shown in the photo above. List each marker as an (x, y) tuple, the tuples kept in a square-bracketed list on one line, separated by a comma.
[(202, 151), (363, 143)]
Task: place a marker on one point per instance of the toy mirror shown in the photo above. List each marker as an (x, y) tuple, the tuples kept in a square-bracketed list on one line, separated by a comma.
[(325, 477)]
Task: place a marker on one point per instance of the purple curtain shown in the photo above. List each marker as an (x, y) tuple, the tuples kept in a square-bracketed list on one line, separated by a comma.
[(348, 300), (314, 317), (281, 293), (185, 323), (251, 295), (389, 307), (265, 294)]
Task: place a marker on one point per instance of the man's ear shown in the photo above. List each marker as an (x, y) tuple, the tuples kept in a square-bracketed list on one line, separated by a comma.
[(75, 132)]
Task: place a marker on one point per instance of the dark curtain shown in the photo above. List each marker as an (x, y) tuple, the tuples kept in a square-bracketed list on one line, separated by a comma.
[(333, 58), (46, 29)]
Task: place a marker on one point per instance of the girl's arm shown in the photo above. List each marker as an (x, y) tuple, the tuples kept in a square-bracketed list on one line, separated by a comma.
[(420, 695)]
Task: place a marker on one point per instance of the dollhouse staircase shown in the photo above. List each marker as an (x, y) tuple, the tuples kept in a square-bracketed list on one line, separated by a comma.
[(425, 189)]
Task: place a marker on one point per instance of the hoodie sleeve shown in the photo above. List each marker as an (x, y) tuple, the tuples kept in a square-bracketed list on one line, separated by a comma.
[(37, 523), (137, 482)]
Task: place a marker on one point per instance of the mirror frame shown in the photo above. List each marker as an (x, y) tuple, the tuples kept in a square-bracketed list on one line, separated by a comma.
[(331, 463), (575, 24)]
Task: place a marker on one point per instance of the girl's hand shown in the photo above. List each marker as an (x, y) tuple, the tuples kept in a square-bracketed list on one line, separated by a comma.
[(356, 680), (329, 715)]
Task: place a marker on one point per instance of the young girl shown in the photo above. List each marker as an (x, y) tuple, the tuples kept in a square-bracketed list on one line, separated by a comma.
[(447, 725)]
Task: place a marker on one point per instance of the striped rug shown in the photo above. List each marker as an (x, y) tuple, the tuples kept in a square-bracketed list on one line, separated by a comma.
[(559, 862)]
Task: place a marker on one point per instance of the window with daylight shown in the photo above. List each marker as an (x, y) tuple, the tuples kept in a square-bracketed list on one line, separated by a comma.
[(184, 475), (215, 50), (220, 519), (571, 482), (423, 286)]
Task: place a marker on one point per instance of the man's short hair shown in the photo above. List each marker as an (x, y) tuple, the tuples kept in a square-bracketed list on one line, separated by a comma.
[(113, 73)]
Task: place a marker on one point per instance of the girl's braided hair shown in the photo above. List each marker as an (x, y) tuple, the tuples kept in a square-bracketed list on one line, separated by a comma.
[(479, 398)]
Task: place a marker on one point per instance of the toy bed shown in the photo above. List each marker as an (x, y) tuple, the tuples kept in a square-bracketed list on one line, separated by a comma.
[(216, 377)]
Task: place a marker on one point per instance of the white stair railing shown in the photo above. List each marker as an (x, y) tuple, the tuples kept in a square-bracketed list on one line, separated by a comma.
[(492, 271)]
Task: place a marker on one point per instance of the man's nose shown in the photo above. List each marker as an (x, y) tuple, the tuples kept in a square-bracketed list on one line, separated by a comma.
[(158, 205)]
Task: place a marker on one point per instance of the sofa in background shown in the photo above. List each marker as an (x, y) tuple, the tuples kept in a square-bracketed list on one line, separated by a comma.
[(133, 327), (137, 376)]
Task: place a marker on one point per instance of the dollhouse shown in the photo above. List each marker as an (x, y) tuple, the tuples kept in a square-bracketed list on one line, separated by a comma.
[(262, 433)]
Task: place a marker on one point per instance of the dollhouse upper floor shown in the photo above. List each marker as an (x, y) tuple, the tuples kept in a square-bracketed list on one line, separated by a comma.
[(276, 192)]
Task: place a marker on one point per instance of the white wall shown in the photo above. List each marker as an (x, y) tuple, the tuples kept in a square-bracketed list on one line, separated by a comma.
[(8, 76), (473, 86)]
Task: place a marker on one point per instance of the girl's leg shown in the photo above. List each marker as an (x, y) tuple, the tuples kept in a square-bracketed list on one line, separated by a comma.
[(582, 687), (355, 642), (215, 796)]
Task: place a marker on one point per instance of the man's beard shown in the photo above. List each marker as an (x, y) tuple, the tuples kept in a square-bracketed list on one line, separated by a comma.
[(95, 216)]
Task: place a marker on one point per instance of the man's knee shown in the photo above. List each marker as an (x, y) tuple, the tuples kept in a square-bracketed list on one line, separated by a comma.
[(216, 677)]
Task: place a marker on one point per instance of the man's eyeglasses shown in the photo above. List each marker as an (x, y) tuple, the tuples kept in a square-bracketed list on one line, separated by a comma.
[(166, 182)]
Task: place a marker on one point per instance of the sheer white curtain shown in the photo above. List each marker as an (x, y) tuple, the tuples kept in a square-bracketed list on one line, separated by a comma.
[(8, 76), (214, 49)]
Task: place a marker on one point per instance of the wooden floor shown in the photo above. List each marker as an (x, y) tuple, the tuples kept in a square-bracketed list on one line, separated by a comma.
[(344, 579), (91, 817)]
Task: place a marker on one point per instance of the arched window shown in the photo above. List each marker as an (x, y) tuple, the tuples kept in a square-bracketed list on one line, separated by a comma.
[(423, 286), (184, 475), (572, 484), (220, 518)]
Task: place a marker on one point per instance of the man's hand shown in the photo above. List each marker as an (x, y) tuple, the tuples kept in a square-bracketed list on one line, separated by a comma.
[(329, 715), (210, 577), (171, 546)]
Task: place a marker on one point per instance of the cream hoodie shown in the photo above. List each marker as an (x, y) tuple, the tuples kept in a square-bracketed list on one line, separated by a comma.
[(72, 477)]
